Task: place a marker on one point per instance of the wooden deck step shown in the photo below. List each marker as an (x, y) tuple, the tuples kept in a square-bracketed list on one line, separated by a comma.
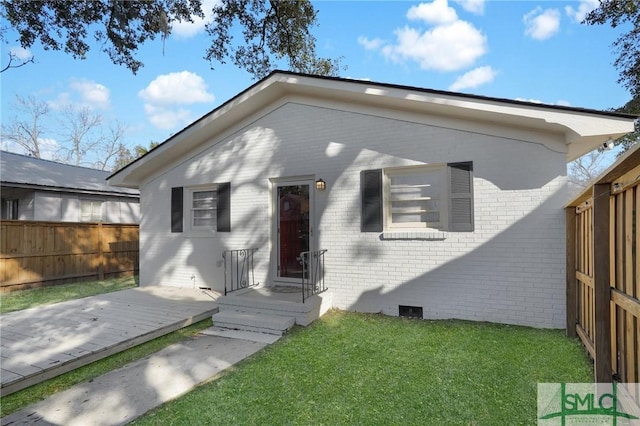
[(253, 321)]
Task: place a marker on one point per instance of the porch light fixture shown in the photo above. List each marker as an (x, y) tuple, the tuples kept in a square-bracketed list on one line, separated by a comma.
[(321, 185)]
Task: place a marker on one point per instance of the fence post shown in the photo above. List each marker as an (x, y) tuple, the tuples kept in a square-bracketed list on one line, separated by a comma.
[(572, 293), (100, 254), (602, 287)]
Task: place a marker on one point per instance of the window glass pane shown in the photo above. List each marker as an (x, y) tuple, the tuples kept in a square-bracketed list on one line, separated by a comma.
[(86, 208), (204, 199), (90, 211), (202, 214), (95, 211), (208, 222), (203, 208)]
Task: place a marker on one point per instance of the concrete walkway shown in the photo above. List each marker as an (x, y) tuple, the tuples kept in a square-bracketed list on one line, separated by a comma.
[(122, 395), (40, 343)]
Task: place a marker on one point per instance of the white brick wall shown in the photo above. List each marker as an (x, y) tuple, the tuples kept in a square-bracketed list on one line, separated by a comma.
[(510, 269)]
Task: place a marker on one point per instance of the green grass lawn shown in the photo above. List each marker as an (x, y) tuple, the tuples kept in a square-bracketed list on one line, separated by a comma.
[(350, 368), (24, 299)]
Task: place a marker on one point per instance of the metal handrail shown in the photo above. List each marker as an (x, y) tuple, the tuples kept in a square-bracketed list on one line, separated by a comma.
[(238, 269), (312, 273)]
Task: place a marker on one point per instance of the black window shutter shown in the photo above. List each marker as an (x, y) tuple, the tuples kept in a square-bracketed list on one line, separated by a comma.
[(176, 209), (460, 196), (371, 219), (223, 211)]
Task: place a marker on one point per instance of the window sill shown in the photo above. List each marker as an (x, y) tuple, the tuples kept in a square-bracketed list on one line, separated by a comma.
[(421, 235), (200, 233)]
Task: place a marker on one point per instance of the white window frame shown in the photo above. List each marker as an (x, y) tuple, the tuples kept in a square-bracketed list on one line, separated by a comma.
[(443, 199), (190, 209), (92, 217)]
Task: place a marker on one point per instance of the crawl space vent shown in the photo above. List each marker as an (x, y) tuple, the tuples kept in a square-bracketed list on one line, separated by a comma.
[(410, 311)]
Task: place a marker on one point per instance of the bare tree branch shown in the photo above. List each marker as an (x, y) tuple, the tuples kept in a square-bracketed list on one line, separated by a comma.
[(13, 57), (28, 130), (81, 129)]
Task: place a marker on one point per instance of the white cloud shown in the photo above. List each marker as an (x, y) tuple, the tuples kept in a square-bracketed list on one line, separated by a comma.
[(167, 91), (370, 44), (167, 118), (447, 44), (474, 78), (48, 148), (21, 53), (473, 6), (185, 29), (444, 48), (436, 13), (82, 93), (583, 9), (61, 101), (92, 94), (542, 24), (176, 88)]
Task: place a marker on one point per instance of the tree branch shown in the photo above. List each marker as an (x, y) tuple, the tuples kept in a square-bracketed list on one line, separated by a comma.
[(12, 56)]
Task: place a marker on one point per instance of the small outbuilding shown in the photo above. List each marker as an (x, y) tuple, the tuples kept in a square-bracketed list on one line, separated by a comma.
[(43, 190)]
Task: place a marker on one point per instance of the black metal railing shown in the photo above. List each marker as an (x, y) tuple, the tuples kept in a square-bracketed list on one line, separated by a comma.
[(238, 269), (312, 273)]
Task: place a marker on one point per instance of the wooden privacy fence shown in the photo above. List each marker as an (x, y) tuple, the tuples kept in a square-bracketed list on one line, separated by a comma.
[(34, 254), (603, 273)]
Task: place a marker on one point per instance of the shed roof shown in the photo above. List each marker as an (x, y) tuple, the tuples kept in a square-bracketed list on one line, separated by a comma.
[(581, 129), (29, 172)]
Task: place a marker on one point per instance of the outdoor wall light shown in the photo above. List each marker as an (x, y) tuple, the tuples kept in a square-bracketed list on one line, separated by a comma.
[(321, 185)]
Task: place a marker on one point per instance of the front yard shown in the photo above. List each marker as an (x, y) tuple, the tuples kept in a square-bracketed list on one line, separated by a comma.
[(351, 368)]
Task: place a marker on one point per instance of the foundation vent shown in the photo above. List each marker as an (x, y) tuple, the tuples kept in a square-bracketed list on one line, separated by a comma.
[(410, 311)]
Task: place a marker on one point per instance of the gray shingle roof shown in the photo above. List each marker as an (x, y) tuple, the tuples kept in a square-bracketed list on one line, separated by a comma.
[(22, 170)]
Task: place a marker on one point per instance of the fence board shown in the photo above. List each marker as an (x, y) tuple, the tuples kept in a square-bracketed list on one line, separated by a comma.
[(34, 254), (612, 274)]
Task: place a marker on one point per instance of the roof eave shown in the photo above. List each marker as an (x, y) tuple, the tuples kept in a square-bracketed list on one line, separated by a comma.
[(69, 190)]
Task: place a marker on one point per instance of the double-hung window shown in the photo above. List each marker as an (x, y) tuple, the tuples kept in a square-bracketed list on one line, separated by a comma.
[(90, 211), (437, 197), (203, 208)]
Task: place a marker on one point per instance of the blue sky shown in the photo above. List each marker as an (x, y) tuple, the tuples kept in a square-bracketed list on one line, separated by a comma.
[(528, 50)]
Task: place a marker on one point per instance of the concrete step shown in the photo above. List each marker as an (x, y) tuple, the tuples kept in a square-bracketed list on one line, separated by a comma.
[(264, 301), (251, 321)]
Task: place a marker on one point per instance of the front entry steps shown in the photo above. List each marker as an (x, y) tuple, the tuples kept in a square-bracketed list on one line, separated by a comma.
[(253, 321), (271, 310)]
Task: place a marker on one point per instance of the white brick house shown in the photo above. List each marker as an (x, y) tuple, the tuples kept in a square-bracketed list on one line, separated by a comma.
[(435, 200)]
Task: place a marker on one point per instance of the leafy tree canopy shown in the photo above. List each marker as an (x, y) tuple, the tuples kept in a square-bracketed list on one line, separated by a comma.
[(627, 47), (126, 155), (272, 30)]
